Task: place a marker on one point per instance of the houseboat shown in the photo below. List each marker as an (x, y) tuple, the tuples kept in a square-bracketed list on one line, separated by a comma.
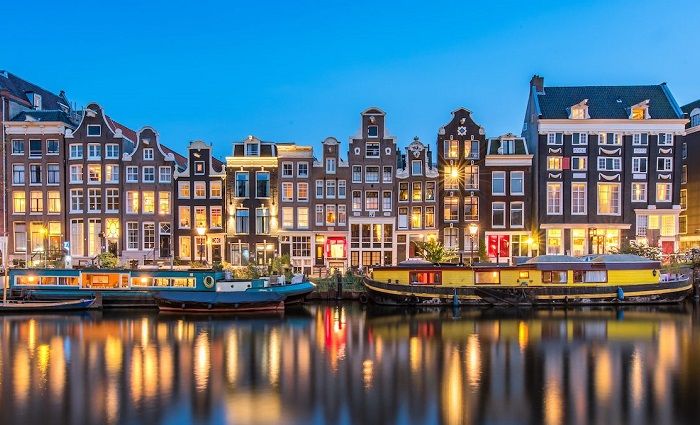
[(544, 280), (135, 287)]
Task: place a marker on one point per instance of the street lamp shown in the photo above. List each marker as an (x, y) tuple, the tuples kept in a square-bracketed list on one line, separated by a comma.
[(473, 229), (44, 243), (200, 232)]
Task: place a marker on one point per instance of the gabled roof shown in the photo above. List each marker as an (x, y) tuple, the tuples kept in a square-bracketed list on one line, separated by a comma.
[(20, 88), (126, 131), (44, 116), (687, 109), (179, 159), (608, 102)]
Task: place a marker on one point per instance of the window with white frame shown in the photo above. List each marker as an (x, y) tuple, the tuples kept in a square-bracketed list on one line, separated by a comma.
[(357, 174), (94, 173), (386, 200), (578, 199), (664, 163), (498, 183), (640, 164), (555, 139), (517, 218), (18, 147), (416, 191), (287, 192), (287, 217), (111, 173), (609, 139), (387, 174), (403, 218), (372, 150), (684, 199), (342, 215), (319, 217), (241, 184), (112, 151), (682, 224), (342, 189), (429, 191), (471, 208), (451, 237), (372, 131), (112, 198), (642, 225), (372, 201), (403, 191), (252, 149), (94, 200), (639, 192), (183, 190), (330, 165), (663, 192), (451, 210), (35, 150), (554, 198), (555, 163), (319, 189), (76, 200), (330, 215), (302, 191), (262, 184), (579, 163), (695, 119), (132, 174), (148, 154), (94, 130), (165, 174), (372, 174), (76, 173), (184, 217), (94, 151), (287, 169), (132, 235), (452, 149), (200, 190), (164, 203), (242, 219), (356, 200), (606, 163), (578, 139), (640, 139), (517, 182), (303, 169), (416, 167), (199, 168), (665, 139), (149, 236), (75, 151), (330, 189), (302, 218), (18, 174), (471, 176), (609, 198), (52, 147), (149, 174), (430, 217), (132, 202), (684, 174), (498, 214), (215, 189)]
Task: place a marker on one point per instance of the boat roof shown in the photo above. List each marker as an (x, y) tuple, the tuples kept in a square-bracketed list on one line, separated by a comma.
[(545, 259)]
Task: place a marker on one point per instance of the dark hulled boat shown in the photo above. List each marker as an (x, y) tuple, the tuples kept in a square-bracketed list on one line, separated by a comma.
[(220, 302)]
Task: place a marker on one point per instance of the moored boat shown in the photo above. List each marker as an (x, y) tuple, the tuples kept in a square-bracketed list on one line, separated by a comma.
[(47, 306), (220, 302), (544, 280)]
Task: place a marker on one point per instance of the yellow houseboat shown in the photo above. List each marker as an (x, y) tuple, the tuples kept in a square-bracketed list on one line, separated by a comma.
[(543, 280)]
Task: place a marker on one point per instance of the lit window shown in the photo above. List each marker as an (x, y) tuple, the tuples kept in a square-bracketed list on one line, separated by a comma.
[(149, 202), (578, 198), (639, 192), (663, 192), (554, 198), (554, 163), (609, 198)]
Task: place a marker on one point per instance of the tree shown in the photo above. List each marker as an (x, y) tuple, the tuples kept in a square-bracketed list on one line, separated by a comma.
[(107, 260), (639, 248), (281, 265), (435, 252)]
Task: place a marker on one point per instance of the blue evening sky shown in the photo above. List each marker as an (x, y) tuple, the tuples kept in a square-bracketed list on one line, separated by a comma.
[(301, 71)]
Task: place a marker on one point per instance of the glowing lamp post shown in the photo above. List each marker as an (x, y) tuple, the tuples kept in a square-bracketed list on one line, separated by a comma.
[(473, 228), (201, 231)]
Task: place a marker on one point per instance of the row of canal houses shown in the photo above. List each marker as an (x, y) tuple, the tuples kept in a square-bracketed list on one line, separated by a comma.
[(594, 168)]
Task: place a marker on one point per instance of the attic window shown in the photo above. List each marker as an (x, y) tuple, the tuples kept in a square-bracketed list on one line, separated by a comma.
[(94, 130), (579, 111), (37, 101), (640, 111), (252, 149), (695, 118), (372, 131)]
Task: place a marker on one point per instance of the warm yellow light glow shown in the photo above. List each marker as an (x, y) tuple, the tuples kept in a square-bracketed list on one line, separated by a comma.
[(202, 361), (473, 228), (201, 231), (454, 173)]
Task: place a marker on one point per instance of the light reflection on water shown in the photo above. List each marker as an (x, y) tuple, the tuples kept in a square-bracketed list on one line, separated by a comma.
[(350, 364)]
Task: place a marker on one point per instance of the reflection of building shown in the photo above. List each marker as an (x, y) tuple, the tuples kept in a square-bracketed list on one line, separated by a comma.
[(608, 166)]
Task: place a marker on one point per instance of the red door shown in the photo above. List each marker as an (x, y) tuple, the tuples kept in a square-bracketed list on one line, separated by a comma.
[(667, 247)]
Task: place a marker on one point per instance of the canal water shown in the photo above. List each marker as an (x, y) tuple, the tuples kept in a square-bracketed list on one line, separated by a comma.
[(351, 364)]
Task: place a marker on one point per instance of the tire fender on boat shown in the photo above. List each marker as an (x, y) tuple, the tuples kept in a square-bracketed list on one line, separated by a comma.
[(208, 282), (413, 299), (363, 298)]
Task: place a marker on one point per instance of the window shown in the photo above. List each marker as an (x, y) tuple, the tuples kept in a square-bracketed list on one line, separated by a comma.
[(252, 149), (663, 192), (77, 247), (149, 174), (183, 190), (111, 173), (471, 208), (52, 147), (372, 201), (609, 163), (149, 202), (185, 247), (319, 189), (111, 151), (215, 189), (36, 202), (683, 224), (371, 174), (303, 218), (554, 241), (372, 150), (664, 164), (665, 139), (357, 174), (242, 215), (19, 202), (165, 174), (342, 189), (554, 163), (241, 184), (498, 183), (132, 202), (149, 236), (668, 225), (342, 215), (76, 173), (403, 191), (94, 151), (94, 130), (34, 174), (330, 215), (287, 192), (386, 200), (301, 246), (94, 174), (451, 212), (429, 217), (35, 148), (330, 189), (638, 113), (148, 154), (640, 139), (639, 164), (132, 174), (554, 277), (416, 191), (262, 186), (183, 217), (18, 147), (609, 139), (416, 218), (356, 200), (684, 174), (429, 191), (403, 218), (517, 179), (498, 214), (216, 217), (451, 239), (18, 174), (684, 150), (416, 167), (579, 204), (320, 218), (609, 198), (200, 216), (387, 174), (372, 131), (303, 169), (94, 200), (76, 151), (695, 120), (132, 235), (579, 163), (639, 192), (578, 139), (330, 165), (554, 199), (452, 177), (54, 200), (471, 174), (112, 197), (471, 149), (199, 168), (555, 138), (287, 169), (684, 199), (517, 214), (76, 200), (262, 221), (20, 237), (452, 149)]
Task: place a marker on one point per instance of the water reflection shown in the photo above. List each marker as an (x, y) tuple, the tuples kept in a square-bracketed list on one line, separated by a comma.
[(347, 364)]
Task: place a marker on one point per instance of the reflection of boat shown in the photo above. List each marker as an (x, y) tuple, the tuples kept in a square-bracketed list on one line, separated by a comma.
[(220, 302), (46, 306), (544, 280)]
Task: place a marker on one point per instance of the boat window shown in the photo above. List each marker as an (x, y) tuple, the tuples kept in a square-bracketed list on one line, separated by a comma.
[(103, 281), (46, 280), (524, 275), (492, 277), (163, 282), (597, 276), (554, 277), (425, 278)]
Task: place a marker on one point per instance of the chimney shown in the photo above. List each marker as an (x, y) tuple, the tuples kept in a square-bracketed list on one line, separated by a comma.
[(538, 83)]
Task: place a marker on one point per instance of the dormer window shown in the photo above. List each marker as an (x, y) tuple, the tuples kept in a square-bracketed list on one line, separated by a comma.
[(252, 149), (372, 131), (695, 118), (36, 101), (640, 111), (579, 111)]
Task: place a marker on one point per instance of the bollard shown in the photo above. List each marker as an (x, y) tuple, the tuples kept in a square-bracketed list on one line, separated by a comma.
[(339, 290)]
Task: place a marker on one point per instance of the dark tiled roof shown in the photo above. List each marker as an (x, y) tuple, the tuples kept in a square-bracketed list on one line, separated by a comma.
[(179, 159), (611, 102), (689, 107), (45, 116), (20, 88)]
